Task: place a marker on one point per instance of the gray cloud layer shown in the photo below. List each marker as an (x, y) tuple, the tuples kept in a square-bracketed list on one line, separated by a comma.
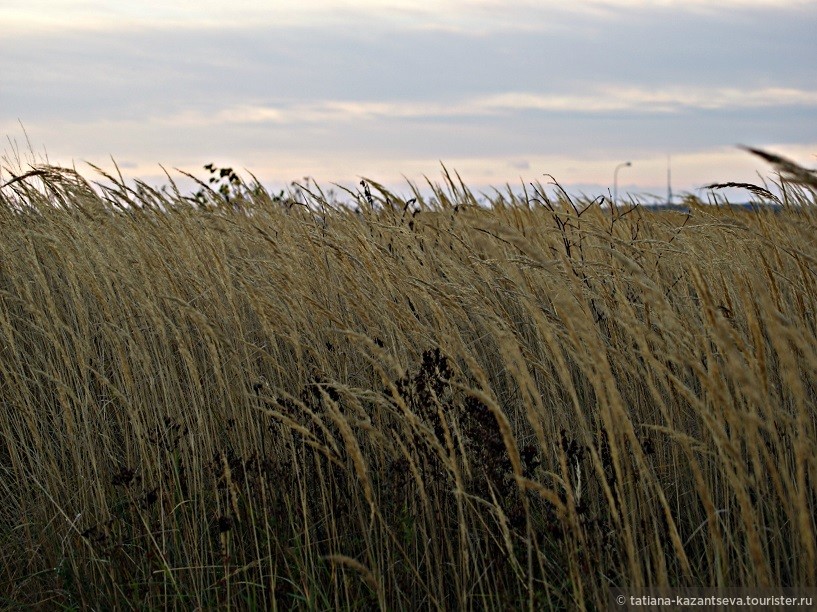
[(604, 82)]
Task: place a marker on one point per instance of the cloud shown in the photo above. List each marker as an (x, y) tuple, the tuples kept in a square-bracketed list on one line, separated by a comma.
[(519, 164), (243, 114), (443, 15), (608, 99), (393, 86), (675, 99)]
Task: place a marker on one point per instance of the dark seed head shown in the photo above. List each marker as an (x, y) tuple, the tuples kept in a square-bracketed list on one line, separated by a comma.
[(123, 477), (224, 524)]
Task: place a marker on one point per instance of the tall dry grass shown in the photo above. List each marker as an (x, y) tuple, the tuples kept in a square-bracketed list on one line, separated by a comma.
[(276, 402)]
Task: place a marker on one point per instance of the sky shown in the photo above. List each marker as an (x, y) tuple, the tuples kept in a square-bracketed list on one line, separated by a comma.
[(502, 92)]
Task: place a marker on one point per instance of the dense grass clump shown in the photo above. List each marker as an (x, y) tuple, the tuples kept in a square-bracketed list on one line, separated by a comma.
[(244, 400)]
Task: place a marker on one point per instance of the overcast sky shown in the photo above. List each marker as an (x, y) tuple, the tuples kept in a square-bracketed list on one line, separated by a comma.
[(497, 90)]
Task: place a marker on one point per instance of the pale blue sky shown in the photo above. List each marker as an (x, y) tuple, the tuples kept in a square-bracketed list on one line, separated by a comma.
[(338, 89)]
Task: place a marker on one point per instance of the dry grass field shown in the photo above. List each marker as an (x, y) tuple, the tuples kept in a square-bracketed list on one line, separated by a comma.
[(263, 402)]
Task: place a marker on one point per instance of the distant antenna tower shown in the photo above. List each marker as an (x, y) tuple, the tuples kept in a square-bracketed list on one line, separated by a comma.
[(669, 181)]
